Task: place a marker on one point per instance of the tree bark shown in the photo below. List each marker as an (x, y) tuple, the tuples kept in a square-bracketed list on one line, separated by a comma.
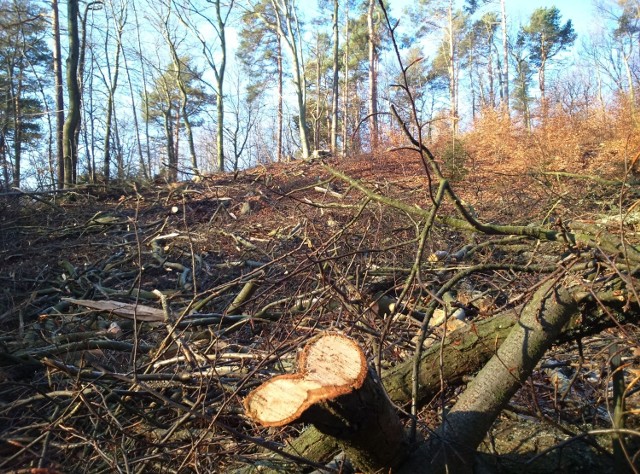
[(335, 85), (106, 170), (57, 74), (336, 392), (71, 124), (280, 126), (505, 59), (288, 29), (373, 78), (465, 426), (332, 392), (219, 73), (467, 350), (345, 91)]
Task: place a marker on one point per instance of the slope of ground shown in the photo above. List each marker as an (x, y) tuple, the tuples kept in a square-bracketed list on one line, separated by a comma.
[(237, 272)]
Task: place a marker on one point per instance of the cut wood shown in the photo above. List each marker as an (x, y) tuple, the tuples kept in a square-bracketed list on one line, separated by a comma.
[(329, 366), (125, 310), (334, 390)]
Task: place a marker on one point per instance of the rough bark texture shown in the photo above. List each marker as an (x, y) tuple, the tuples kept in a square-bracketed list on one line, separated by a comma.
[(334, 84), (70, 144), (466, 425), (373, 78), (467, 350), (57, 74)]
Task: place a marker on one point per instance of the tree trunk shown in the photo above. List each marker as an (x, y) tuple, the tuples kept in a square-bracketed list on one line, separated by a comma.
[(505, 59), (17, 129), (373, 78), (541, 82), (136, 123), (336, 392), (288, 28), (280, 100), (345, 93), (71, 125), (219, 73), (366, 427), (171, 170), (145, 101), (630, 82), (57, 75), (451, 63), (317, 120), (106, 169), (467, 350), (465, 426), (334, 84)]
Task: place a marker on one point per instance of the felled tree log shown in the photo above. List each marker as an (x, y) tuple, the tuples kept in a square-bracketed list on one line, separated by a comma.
[(466, 351), (454, 444), (336, 392)]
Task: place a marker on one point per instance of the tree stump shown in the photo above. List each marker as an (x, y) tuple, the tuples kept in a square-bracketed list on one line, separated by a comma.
[(335, 391)]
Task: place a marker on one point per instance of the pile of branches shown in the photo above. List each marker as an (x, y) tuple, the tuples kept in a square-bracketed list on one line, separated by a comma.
[(135, 320)]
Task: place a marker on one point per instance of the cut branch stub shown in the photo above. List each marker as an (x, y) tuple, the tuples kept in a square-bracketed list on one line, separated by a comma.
[(329, 366)]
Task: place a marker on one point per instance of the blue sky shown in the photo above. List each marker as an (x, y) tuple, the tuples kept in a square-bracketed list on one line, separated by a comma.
[(580, 12)]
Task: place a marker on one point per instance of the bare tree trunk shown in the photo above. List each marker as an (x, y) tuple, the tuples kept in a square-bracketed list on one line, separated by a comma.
[(71, 125), (373, 78), (467, 423), (632, 94), (334, 85), (17, 131), (345, 93), (145, 101), (541, 82), (136, 123), (219, 73), (451, 65), (287, 27), (505, 60), (172, 170), (317, 119), (280, 100), (111, 104), (57, 74)]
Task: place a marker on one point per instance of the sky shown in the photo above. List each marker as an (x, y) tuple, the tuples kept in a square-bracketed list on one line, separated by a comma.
[(580, 12)]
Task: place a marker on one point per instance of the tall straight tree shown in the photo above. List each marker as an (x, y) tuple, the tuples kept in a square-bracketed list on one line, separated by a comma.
[(345, 94), (182, 78), (505, 58), (286, 23), (260, 52), (164, 105), (23, 55), (373, 76), (72, 123), (443, 16), (545, 37), (334, 84), (59, 88), (217, 20), (625, 15), (120, 17)]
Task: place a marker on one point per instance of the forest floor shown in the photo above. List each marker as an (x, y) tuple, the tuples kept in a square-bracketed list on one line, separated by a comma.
[(99, 373)]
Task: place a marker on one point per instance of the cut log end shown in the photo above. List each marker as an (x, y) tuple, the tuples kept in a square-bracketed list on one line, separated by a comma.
[(329, 366)]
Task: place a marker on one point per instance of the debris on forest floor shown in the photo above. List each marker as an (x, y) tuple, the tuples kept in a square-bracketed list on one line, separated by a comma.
[(135, 319)]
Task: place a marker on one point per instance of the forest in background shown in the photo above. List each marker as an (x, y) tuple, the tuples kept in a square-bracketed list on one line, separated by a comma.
[(116, 90)]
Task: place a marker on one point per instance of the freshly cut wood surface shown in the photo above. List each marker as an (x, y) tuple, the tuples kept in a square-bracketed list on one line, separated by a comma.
[(330, 365)]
